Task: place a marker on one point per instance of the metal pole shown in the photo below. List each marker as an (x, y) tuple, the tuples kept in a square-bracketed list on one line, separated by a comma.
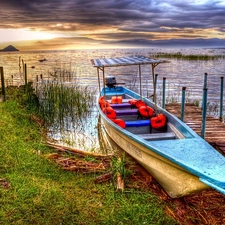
[(205, 80), (164, 93), (103, 74), (139, 69), (204, 84), (183, 103), (204, 110), (3, 83), (99, 86), (221, 99), (155, 83)]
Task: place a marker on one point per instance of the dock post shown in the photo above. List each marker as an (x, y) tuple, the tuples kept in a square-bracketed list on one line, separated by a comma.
[(205, 80), (164, 93), (3, 83), (183, 103), (204, 84), (221, 99), (155, 83), (204, 110)]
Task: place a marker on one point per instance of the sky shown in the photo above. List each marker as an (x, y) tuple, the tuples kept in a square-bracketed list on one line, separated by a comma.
[(81, 24)]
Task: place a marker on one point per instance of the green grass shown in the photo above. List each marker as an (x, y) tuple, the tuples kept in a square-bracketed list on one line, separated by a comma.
[(42, 193)]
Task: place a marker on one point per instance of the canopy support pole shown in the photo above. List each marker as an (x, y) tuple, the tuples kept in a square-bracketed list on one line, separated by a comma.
[(103, 74), (139, 69), (154, 84), (99, 85)]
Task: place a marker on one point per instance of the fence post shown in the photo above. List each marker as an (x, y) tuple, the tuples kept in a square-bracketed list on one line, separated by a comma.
[(183, 103), (3, 83), (221, 99), (25, 75)]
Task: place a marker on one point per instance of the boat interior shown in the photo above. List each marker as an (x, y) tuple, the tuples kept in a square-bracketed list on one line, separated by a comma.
[(139, 125)]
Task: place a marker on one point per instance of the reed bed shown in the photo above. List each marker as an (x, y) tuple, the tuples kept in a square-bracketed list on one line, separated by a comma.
[(179, 55), (63, 105)]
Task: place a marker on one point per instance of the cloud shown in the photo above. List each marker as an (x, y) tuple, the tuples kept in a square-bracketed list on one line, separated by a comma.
[(188, 43), (119, 13), (116, 20)]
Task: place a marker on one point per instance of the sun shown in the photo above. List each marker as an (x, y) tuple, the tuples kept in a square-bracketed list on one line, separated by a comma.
[(7, 35)]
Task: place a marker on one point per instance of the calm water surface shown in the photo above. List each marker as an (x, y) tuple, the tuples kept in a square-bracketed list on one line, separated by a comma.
[(178, 73)]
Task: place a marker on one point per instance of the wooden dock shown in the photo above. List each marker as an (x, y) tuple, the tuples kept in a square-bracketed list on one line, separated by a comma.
[(215, 129)]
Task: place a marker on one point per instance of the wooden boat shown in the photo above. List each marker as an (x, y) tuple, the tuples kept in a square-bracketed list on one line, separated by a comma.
[(180, 160)]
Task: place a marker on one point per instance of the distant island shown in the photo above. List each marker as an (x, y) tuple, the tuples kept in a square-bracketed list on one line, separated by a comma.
[(9, 48)]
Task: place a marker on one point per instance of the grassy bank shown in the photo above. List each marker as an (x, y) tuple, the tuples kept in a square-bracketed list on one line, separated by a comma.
[(34, 190)]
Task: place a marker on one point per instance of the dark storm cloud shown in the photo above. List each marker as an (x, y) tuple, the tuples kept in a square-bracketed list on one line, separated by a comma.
[(128, 17), (111, 12), (29, 13)]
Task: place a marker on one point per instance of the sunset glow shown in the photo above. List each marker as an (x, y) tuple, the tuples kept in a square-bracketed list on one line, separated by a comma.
[(86, 24), (23, 35)]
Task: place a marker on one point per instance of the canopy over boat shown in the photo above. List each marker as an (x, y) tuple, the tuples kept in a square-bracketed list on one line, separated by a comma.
[(125, 61), (100, 64)]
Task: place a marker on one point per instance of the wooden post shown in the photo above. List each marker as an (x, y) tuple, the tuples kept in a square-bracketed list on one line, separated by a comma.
[(25, 75), (3, 83)]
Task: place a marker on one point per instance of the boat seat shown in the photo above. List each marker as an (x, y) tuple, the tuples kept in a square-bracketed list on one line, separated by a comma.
[(121, 105), (158, 136), (127, 112), (137, 123)]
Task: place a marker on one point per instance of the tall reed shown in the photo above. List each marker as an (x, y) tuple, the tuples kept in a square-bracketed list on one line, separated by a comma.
[(63, 105)]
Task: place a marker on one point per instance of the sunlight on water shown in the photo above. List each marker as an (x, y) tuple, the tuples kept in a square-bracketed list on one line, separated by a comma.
[(42, 66)]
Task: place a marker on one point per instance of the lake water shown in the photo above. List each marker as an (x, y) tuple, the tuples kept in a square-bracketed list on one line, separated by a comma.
[(178, 73)]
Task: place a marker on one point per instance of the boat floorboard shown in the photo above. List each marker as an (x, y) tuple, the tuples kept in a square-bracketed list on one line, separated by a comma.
[(215, 129)]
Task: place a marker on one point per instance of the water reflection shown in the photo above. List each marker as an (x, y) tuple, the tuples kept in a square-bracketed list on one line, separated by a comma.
[(82, 134), (178, 73)]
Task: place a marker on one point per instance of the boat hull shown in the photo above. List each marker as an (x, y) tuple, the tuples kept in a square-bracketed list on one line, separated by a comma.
[(176, 181), (179, 159)]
